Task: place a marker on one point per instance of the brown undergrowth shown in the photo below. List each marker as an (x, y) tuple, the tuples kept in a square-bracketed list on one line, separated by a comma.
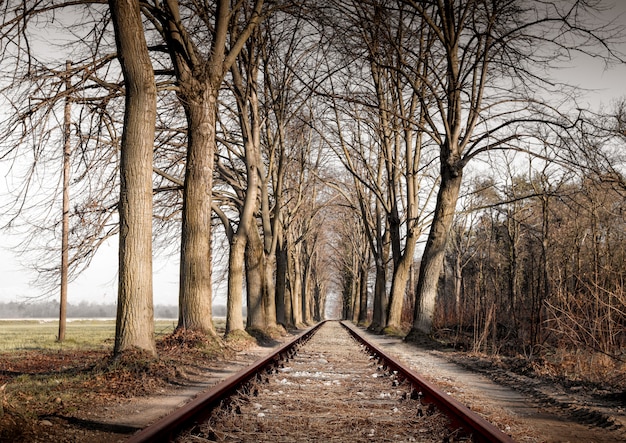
[(561, 364)]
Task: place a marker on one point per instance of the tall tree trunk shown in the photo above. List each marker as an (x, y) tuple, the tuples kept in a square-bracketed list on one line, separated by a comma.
[(245, 243), (271, 232), (271, 224), (346, 297), (283, 304), (458, 281), (195, 294), (199, 77), (379, 317), (307, 317), (434, 252), (295, 280), (513, 256), (254, 279), (404, 262), (269, 290), (318, 304), (399, 281), (356, 304), (135, 316), (364, 274), (451, 174), (380, 297), (234, 299)]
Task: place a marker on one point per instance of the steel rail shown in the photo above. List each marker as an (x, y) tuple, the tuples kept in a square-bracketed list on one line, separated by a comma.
[(166, 428), (467, 421)]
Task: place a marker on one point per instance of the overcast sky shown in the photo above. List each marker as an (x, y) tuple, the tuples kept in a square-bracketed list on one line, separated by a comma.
[(98, 284)]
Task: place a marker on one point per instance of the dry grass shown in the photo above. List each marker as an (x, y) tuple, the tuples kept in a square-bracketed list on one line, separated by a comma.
[(582, 366), (25, 335), (46, 382)]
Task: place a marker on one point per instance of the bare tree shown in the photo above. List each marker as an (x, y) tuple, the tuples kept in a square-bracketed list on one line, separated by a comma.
[(288, 49), (486, 76), (200, 60), (562, 227), (244, 86), (135, 317), (34, 88), (350, 253), (97, 90), (400, 105), (388, 155)]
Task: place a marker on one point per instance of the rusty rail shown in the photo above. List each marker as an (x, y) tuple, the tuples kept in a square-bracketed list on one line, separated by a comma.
[(166, 428), (461, 417)]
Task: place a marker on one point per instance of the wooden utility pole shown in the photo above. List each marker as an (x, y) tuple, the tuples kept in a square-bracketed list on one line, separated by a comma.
[(66, 204)]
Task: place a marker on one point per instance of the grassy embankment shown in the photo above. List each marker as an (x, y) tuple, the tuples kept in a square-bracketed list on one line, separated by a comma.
[(30, 335), (25, 335), (42, 380)]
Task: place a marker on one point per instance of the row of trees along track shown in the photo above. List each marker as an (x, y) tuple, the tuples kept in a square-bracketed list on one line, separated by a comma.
[(314, 141)]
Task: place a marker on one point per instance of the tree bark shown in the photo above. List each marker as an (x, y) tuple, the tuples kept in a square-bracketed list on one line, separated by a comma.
[(356, 304), (135, 318), (246, 240), (269, 289), (254, 279), (271, 224), (234, 299), (283, 302), (295, 282), (198, 85), (305, 260), (380, 299), (362, 319), (399, 281), (379, 317), (195, 293), (434, 252)]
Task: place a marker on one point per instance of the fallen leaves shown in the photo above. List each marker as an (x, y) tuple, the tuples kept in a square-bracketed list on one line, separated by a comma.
[(52, 385)]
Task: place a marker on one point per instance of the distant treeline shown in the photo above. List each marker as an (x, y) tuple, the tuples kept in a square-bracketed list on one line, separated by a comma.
[(50, 309)]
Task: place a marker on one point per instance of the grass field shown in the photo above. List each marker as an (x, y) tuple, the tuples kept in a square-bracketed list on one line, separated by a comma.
[(41, 377), (26, 335)]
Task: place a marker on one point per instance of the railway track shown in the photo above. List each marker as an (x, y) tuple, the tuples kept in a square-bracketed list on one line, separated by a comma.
[(329, 384)]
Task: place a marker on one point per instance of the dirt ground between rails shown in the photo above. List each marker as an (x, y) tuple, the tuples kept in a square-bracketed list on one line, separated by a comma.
[(109, 407)]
